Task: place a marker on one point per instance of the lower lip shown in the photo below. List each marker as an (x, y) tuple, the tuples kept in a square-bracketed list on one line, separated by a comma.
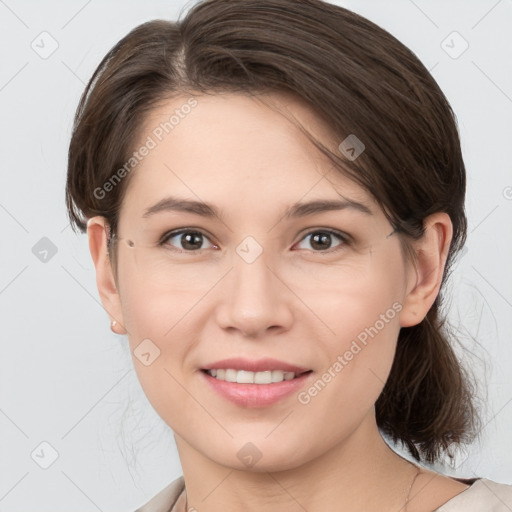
[(256, 395)]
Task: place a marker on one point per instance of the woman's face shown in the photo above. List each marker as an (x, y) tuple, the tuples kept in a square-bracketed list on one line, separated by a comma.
[(260, 278)]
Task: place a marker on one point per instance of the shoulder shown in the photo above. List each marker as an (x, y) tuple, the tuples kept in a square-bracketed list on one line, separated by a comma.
[(165, 499), (483, 495)]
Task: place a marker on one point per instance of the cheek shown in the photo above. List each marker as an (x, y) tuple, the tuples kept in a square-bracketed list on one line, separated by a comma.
[(354, 298), (362, 351), (152, 310), (153, 319), (360, 326), (358, 365), (159, 346)]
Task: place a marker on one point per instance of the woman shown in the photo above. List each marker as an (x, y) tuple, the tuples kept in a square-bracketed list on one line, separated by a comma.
[(273, 193)]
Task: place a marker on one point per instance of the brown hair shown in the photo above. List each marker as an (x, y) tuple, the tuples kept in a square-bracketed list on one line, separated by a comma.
[(360, 80)]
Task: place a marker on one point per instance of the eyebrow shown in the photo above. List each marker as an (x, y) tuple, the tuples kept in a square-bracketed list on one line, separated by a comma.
[(296, 210)]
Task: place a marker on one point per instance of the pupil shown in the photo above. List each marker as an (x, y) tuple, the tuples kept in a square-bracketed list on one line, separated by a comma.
[(324, 239), (187, 239)]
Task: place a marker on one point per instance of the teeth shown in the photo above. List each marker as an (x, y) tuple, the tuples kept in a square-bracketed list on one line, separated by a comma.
[(246, 377)]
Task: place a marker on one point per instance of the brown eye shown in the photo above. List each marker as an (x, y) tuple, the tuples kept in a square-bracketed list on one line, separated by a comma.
[(187, 240), (321, 240)]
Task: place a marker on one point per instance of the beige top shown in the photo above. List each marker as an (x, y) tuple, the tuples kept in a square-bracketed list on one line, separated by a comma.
[(482, 496)]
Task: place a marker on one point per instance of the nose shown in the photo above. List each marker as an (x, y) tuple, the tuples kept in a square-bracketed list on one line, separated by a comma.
[(256, 300)]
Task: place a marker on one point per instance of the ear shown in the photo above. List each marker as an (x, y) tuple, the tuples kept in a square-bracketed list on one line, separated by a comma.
[(425, 276), (97, 229)]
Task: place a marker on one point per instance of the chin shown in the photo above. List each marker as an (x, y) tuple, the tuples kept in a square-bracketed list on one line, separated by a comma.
[(258, 454)]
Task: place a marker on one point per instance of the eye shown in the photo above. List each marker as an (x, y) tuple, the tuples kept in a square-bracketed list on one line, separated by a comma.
[(189, 240), (321, 238)]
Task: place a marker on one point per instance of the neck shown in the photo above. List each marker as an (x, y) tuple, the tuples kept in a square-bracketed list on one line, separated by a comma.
[(359, 473)]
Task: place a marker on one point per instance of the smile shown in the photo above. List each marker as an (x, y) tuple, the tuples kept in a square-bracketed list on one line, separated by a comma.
[(255, 389), (248, 377)]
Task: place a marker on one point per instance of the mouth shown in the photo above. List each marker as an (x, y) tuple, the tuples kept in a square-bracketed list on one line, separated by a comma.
[(247, 389), (249, 377)]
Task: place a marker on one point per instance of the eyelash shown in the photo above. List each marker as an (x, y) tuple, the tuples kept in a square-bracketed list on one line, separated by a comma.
[(344, 238)]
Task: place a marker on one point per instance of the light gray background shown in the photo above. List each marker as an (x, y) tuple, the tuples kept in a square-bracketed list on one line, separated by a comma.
[(66, 380)]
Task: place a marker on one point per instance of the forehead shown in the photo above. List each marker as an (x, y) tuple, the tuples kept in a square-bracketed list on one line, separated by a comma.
[(237, 147)]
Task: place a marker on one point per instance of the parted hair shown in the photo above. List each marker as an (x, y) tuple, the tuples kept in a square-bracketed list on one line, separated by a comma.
[(360, 80)]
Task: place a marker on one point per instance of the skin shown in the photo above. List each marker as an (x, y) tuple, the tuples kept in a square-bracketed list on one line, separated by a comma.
[(292, 303)]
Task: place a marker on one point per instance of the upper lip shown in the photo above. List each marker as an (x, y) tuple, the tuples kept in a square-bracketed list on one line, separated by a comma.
[(260, 365)]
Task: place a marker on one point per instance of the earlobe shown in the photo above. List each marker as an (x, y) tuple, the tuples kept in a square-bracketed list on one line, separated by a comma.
[(426, 275), (105, 281)]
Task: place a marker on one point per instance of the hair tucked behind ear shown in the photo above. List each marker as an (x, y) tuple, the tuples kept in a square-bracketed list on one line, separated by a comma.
[(427, 402), (361, 81)]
